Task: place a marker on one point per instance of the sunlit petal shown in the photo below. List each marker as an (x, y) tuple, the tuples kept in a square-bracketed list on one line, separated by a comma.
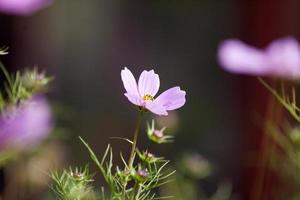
[(129, 82), (148, 83), (172, 98)]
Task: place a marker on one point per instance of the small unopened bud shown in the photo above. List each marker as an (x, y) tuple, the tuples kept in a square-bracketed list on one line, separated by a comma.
[(33, 81), (123, 174), (156, 135), (81, 174), (142, 175), (148, 157), (77, 175)]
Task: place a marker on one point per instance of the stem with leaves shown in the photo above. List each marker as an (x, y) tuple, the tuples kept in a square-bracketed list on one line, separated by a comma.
[(288, 103), (134, 182)]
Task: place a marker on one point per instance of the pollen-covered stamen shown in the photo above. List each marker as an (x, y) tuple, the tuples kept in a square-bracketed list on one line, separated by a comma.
[(148, 97)]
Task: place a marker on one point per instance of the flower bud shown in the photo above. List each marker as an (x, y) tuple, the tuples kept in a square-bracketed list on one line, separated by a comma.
[(77, 175), (34, 81), (156, 135), (148, 157), (123, 174), (141, 174)]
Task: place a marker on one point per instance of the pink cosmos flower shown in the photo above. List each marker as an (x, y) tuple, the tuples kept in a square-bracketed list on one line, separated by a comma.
[(25, 125), (280, 59), (23, 7), (142, 93)]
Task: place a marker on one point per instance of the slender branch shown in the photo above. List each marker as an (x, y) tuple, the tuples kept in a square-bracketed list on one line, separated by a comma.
[(268, 145), (137, 194), (134, 191), (135, 138), (6, 74), (286, 105)]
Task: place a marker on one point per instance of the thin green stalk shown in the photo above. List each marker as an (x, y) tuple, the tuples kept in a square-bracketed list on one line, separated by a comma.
[(138, 191), (135, 138), (6, 74), (134, 192), (291, 109), (263, 159)]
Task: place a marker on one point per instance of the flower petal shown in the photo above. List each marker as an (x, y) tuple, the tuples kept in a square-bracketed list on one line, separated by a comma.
[(134, 99), (129, 82), (23, 7), (172, 98), (148, 83), (26, 124), (156, 108), (284, 57), (237, 57)]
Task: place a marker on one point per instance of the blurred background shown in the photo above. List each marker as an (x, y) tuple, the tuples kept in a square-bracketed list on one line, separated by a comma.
[(85, 44)]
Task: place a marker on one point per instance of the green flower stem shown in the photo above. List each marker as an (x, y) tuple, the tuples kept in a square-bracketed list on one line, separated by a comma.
[(273, 113), (136, 193), (135, 138), (6, 74), (289, 106)]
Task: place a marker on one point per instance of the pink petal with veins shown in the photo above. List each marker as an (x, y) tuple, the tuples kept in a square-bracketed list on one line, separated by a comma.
[(148, 83)]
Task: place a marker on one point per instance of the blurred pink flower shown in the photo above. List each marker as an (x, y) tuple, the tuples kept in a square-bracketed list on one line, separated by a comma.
[(25, 125), (280, 59), (23, 7), (142, 94)]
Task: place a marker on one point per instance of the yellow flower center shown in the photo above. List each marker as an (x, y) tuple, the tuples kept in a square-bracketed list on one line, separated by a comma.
[(148, 97)]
